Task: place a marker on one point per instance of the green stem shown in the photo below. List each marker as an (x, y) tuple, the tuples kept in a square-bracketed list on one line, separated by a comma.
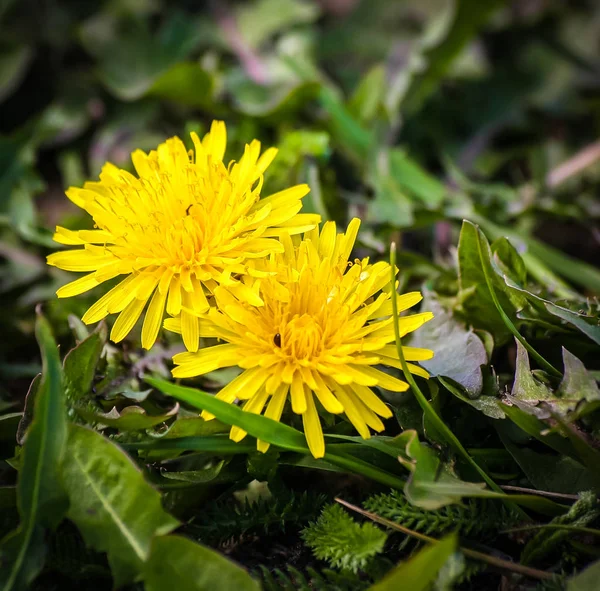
[(429, 411)]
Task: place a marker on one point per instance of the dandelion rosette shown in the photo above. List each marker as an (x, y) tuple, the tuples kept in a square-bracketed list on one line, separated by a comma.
[(184, 225), (323, 328)]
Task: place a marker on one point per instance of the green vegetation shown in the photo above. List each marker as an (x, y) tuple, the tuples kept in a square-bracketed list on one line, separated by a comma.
[(465, 133)]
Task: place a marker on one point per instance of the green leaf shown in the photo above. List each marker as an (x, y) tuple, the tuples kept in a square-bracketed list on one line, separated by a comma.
[(426, 469), (259, 20), (487, 404), (577, 384), (586, 580), (132, 58), (477, 300), (115, 509), (582, 322), (526, 387), (40, 493), (538, 429), (550, 472), (347, 132), (421, 570), (14, 62), (131, 418), (438, 51), (577, 271), (258, 426), (508, 260), (80, 364), (416, 180), (445, 335), (186, 83), (178, 563), (581, 514), (368, 95)]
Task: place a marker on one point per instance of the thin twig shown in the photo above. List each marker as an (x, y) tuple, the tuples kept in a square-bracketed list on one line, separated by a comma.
[(539, 493), (574, 528), (491, 560), (574, 165)]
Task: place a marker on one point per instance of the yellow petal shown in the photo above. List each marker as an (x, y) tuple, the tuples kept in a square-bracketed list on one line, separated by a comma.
[(153, 319), (190, 331), (298, 397), (126, 320), (312, 428), (352, 412), (78, 286)]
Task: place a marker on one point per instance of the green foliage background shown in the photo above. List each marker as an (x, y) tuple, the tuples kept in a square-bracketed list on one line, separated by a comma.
[(414, 116)]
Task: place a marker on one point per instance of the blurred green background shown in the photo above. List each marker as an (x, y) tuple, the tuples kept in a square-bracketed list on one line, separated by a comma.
[(410, 114)]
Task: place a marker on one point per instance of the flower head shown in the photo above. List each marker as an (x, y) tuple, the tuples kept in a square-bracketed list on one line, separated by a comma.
[(323, 328), (184, 225)]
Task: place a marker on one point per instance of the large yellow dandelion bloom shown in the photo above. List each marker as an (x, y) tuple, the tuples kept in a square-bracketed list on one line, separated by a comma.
[(185, 224), (323, 329)]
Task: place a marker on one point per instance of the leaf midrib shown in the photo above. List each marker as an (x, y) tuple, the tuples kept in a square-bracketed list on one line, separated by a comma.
[(139, 551)]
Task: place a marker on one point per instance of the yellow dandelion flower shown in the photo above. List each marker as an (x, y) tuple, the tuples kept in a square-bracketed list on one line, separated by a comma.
[(324, 327), (184, 225)]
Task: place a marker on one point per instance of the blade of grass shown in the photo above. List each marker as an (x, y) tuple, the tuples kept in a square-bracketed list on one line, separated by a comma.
[(504, 565), (268, 430)]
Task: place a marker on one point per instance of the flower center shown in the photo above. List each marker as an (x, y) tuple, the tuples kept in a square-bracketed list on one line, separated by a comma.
[(302, 338)]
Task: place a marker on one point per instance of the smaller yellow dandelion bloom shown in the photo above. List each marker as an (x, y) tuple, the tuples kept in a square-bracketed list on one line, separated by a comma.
[(185, 224), (324, 327)]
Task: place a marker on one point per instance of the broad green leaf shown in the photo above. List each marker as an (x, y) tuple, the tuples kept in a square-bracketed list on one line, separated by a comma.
[(586, 580), (477, 300), (80, 365), (40, 493), (258, 100), (487, 404), (185, 83), (550, 472), (445, 335), (178, 563), (420, 571), (131, 418), (538, 429), (258, 426), (426, 468), (115, 509), (131, 57)]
